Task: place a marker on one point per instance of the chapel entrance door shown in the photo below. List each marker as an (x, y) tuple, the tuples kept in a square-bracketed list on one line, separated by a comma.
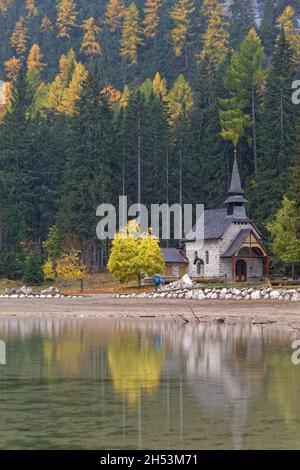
[(241, 271)]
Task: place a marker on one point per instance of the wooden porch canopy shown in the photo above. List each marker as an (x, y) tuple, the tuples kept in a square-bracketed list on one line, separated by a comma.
[(247, 245)]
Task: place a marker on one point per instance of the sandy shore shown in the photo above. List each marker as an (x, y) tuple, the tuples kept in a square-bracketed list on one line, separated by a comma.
[(278, 313)]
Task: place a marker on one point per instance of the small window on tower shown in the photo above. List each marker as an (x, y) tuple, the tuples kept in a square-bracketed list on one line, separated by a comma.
[(207, 257)]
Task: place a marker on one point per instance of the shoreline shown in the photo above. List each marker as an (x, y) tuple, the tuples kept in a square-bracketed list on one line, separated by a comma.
[(104, 306)]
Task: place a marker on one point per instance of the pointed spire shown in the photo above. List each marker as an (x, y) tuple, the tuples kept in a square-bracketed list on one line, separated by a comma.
[(235, 187), (236, 198)]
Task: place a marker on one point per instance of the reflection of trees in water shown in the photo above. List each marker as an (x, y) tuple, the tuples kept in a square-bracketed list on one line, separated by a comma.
[(207, 376), (135, 366)]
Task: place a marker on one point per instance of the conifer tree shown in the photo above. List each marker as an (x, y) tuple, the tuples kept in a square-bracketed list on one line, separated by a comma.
[(215, 39), (151, 17), (159, 86), (66, 17), (131, 37), (56, 89), (267, 28), (12, 68), (242, 19), (31, 8), (35, 58), (179, 104), (181, 34), (276, 126), (86, 179), (46, 24), (114, 13), (90, 44), (72, 92), (242, 79), (286, 22), (18, 38)]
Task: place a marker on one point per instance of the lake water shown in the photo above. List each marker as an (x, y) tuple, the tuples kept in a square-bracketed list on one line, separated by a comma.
[(145, 384)]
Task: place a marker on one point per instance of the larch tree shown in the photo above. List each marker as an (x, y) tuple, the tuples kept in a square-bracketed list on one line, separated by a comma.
[(90, 44), (31, 8), (35, 59), (18, 38), (159, 86), (131, 35), (12, 68), (216, 37), (46, 24), (181, 34), (5, 6), (114, 13), (57, 88), (66, 17), (287, 23), (151, 17), (73, 92), (242, 80)]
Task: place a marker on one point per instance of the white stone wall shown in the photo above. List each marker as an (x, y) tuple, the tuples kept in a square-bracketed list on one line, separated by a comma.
[(213, 267), (220, 266)]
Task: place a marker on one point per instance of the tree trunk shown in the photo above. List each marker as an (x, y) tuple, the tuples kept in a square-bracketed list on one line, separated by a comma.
[(186, 60), (293, 271), (139, 157), (254, 132), (139, 280), (81, 285)]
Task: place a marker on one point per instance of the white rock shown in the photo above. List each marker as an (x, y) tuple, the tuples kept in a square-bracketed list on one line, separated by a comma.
[(274, 294), (26, 290), (255, 295), (186, 281)]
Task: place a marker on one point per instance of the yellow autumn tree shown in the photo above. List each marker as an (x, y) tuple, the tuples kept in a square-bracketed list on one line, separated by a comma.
[(287, 23), (18, 38), (113, 95), (5, 99), (72, 92), (46, 24), (159, 86), (179, 101), (125, 97), (12, 68), (71, 267), (56, 89), (114, 13), (151, 17), (90, 44), (216, 37), (181, 34), (35, 58), (66, 17), (31, 8), (5, 6), (134, 254), (131, 35)]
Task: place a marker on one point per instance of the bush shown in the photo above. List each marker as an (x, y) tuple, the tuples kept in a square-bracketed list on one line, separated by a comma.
[(33, 272)]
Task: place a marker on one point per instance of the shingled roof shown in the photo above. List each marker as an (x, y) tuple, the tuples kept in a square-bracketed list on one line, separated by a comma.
[(173, 255), (216, 222), (237, 243)]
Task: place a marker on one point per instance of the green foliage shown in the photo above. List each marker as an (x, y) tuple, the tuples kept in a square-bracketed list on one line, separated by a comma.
[(284, 230), (32, 271)]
